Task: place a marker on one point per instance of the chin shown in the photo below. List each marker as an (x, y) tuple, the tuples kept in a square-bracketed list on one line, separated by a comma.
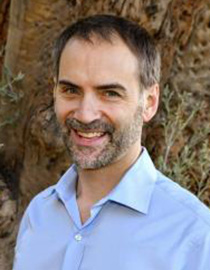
[(89, 165)]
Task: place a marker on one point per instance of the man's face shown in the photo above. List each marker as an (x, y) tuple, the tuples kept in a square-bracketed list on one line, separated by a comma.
[(98, 102)]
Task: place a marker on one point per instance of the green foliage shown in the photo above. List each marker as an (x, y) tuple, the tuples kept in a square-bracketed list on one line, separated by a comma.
[(9, 96), (6, 86), (186, 151)]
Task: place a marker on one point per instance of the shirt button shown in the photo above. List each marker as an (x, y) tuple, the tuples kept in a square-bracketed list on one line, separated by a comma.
[(78, 237)]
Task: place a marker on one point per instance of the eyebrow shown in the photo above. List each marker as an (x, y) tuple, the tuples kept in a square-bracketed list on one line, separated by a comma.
[(111, 86), (98, 87), (68, 83)]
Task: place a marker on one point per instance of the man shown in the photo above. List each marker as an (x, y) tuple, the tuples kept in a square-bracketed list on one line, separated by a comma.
[(112, 209)]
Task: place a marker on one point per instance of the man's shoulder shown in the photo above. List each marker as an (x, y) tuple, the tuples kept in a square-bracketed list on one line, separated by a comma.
[(48, 199), (180, 200), (46, 192), (38, 199)]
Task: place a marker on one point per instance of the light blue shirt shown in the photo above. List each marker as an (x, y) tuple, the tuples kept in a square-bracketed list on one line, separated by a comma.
[(147, 222)]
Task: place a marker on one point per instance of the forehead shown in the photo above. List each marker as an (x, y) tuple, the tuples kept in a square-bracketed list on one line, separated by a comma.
[(97, 58)]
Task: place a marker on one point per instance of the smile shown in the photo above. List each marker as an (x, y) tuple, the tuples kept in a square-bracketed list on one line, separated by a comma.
[(89, 139), (90, 135)]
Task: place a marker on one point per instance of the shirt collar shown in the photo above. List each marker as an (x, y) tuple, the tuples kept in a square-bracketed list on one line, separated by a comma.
[(134, 190), (136, 187), (66, 185), (65, 188)]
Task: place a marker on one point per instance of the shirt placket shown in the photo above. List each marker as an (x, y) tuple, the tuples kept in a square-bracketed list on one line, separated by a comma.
[(74, 254)]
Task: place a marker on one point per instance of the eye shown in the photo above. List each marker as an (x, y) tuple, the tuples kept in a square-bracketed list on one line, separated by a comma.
[(69, 90), (112, 93)]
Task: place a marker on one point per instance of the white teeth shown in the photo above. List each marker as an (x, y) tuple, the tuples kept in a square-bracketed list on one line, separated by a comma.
[(90, 135)]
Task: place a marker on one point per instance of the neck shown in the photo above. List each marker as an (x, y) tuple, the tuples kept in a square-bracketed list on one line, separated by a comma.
[(93, 185)]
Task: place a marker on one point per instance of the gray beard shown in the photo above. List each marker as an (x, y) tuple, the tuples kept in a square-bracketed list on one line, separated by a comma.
[(119, 141)]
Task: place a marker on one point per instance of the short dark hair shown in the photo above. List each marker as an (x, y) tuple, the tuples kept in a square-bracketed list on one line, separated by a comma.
[(106, 26)]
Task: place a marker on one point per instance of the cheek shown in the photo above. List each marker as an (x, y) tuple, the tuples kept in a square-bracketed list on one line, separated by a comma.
[(62, 110), (119, 115)]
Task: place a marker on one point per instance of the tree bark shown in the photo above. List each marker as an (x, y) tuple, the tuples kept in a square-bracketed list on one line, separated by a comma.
[(4, 19)]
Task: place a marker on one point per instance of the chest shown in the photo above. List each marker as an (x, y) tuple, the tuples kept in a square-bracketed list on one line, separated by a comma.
[(115, 239)]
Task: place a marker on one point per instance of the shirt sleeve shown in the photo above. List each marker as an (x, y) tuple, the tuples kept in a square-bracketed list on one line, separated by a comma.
[(200, 257), (24, 226)]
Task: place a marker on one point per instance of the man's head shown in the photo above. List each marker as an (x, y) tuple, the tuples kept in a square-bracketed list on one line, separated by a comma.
[(105, 27), (107, 70)]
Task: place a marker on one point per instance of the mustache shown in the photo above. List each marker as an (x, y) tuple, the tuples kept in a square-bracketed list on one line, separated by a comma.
[(96, 125)]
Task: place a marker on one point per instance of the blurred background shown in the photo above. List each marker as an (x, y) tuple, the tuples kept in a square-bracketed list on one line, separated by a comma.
[(32, 155)]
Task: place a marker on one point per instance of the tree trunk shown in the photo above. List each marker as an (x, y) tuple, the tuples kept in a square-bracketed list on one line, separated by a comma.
[(32, 155)]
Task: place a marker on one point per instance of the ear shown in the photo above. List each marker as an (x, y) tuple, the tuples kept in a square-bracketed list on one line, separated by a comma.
[(54, 87), (151, 101)]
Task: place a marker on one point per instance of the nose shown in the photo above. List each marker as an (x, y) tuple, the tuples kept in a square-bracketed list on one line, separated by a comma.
[(88, 109)]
